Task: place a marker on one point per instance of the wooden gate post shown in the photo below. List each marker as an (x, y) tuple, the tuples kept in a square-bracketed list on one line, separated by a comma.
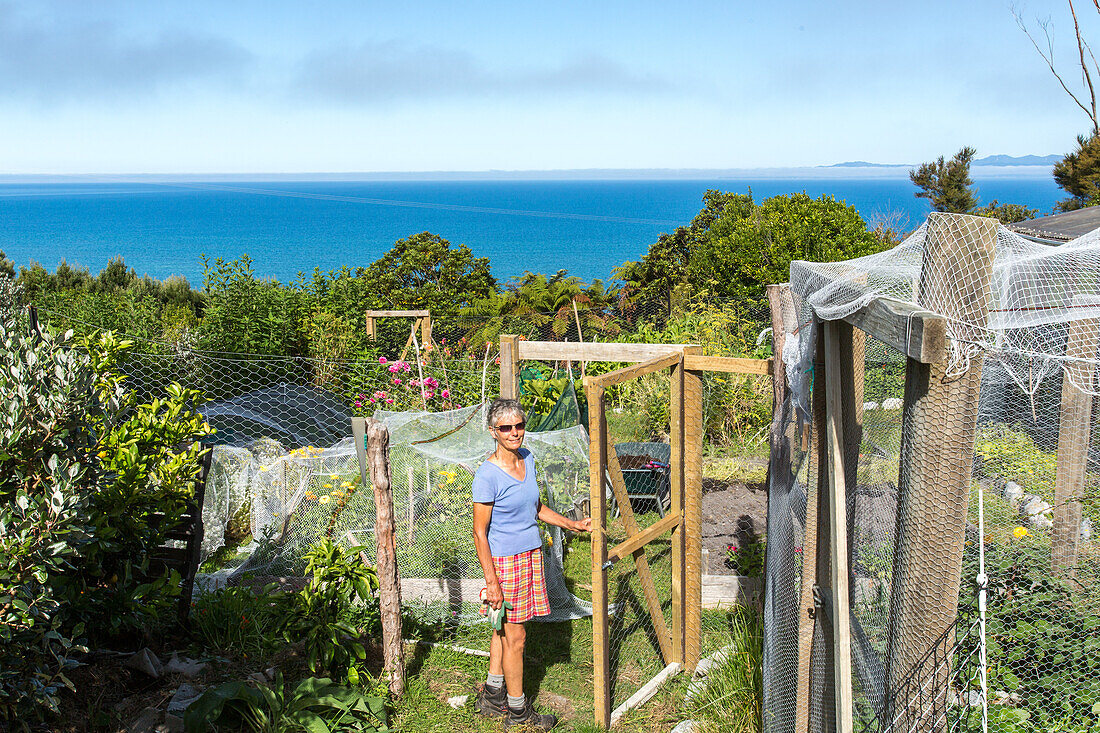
[(372, 445), (597, 468), (676, 501), (693, 519), (1073, 443), (509, 361), (937, 452)]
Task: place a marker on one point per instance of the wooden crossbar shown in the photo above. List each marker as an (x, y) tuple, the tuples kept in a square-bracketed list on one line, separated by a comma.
[(908, 328), (570, 351), (645, 576), (727, 364), (647, 535)]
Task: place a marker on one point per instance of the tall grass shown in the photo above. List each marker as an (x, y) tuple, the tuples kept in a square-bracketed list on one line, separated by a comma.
[(729, 701)]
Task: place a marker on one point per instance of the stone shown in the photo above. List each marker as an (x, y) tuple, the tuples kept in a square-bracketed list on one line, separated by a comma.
[(1013, 492), (146, 721), (890, 403), (1086, 529), (870, 405), (185, 695), (259, 678), (146, 662), (1037, 512), (186, 666), (685, 726), (457, 701)]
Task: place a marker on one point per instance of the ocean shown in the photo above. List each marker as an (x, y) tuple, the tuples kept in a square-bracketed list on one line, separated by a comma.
[(587, 227)]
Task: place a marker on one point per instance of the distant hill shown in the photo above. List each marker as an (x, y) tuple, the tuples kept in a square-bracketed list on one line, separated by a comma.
[(989, 160), (1018, 160)]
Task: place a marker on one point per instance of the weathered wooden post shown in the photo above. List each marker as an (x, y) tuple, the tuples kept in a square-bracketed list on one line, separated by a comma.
[(509, 361), (372, 445), (937, 452), (597, 467), (1073, 442), (781, 605), (693, 519)]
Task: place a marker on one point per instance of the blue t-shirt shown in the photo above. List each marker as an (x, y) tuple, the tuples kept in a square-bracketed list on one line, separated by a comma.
[(513, 528)]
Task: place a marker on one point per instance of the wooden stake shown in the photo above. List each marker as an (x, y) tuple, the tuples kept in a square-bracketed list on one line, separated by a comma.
[(937, 453), (1073, 444), (597, 461), (374, 467), (509, 358), (815, 559), (371, 333)]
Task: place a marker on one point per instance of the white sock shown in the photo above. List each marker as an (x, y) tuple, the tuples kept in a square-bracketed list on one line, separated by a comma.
[(518, 702), (494, 680)]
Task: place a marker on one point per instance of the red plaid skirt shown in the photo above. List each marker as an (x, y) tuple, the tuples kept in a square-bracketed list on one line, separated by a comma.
[(524, 585)]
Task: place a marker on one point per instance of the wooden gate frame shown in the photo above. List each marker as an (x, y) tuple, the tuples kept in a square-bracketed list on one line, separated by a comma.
[(681, 644)]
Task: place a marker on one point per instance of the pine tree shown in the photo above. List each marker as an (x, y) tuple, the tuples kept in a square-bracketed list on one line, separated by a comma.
[(947, 184)]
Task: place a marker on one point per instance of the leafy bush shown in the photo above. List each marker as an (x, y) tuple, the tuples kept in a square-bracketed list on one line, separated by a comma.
[(84, 494), (1043, 631), (312, 706), (339, 579)]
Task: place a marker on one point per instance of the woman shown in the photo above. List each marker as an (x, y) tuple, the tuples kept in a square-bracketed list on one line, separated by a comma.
[(509, 547)]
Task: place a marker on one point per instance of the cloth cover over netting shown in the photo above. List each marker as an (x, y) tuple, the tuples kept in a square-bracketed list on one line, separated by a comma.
[(1032, 361), (288, 501)]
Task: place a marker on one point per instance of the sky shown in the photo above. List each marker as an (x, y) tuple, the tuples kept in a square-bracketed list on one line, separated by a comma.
[(117, 87)]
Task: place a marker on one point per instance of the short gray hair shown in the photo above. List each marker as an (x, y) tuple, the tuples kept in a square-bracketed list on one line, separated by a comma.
[(502, 407)]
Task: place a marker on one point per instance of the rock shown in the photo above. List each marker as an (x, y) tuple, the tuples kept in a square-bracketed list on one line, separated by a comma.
[(185, 695), (1013, 492), (1086, 530), (186, 666), (870, 405), (1037, 512), (892, 403), (457, 701), (259, 678), (145, 722), (147, 663), (270, 672), (686, 726)]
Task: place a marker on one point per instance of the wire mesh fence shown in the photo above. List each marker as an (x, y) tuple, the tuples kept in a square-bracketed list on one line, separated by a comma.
[(969, 480)]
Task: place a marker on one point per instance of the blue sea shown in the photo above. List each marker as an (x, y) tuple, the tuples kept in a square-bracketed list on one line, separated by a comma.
[(587, 227)]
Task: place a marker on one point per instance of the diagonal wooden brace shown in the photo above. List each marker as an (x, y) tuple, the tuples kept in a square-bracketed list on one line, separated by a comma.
[(649, 589)]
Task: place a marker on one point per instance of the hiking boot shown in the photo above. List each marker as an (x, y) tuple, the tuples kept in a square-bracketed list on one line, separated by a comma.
[(492, 701), (528, 719)]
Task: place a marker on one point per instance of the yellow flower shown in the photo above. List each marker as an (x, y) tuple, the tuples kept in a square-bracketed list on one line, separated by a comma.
[(102, 454), (324, 499), (1020, 532), (347, 484), (328, 486)]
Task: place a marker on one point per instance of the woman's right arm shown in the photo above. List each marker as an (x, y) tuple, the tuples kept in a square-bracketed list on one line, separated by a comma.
[(482, 514)]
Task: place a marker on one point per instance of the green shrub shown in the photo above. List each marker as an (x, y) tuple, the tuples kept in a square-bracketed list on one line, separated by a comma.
[(339, 580), (80, 486), (312, 706), (731, 692), (240, 620)]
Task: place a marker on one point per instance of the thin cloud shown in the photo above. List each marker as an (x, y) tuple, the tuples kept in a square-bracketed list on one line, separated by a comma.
[(379, 72), (62, 61)]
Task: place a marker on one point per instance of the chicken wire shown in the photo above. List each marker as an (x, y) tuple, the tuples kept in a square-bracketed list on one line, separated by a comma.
[(1024, 377)]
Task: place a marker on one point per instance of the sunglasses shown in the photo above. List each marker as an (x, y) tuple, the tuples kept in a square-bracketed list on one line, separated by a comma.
[(521, 425)]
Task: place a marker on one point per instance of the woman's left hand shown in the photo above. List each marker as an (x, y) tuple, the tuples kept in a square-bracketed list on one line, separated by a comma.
[(585, 525)]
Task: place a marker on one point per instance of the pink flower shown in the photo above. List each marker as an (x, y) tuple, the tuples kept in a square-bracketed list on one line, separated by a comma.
[(394, 368), (397, 381), (389, 400), (429, 394), (381, 360), (445, 393), (358, 403)]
